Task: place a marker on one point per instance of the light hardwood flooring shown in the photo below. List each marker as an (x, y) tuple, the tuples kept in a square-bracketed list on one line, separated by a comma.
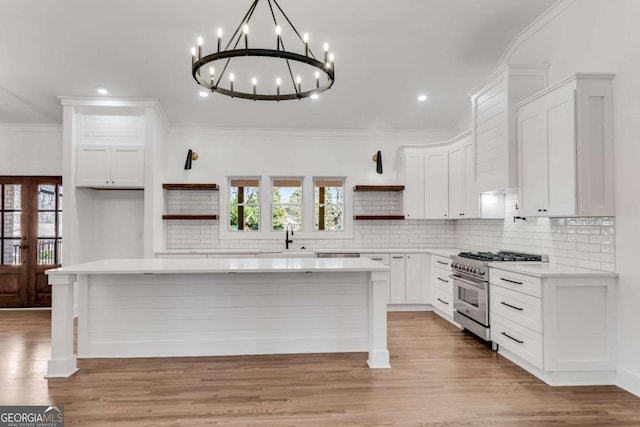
[(440, 376)]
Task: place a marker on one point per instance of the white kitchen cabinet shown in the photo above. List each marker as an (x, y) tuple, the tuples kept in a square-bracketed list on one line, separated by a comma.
[(561, 329), (565, 144), (110, 166), (426, 177), (397, 279), (464, 202), (493, 119), (442, 286)]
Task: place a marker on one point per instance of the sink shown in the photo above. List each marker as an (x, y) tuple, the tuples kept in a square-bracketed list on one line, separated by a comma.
[(286, 254)]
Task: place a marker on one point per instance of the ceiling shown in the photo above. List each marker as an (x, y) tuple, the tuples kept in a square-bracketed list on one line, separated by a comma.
[(387, 53)]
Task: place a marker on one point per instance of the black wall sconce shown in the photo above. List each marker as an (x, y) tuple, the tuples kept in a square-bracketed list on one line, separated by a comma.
[(191, 156), (378, 159)]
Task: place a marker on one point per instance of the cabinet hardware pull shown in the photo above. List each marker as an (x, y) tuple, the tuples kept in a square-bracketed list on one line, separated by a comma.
[(442, 280), (442, 262), (511, 281), (511, 306), (376, 259), (444, 302), (512, 338), (397, 257)]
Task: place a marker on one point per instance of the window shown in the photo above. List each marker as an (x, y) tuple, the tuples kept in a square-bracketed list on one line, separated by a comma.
[(329, 203), (286, 203), (244, 204)]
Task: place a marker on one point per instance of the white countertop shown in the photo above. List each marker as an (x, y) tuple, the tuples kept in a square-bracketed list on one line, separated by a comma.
[(446, 252), (224, 265), (545, 269)]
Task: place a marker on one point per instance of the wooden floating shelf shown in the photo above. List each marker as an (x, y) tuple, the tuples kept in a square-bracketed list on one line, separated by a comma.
[(190, 186), (378, 188), (189, 216), (375, 217)]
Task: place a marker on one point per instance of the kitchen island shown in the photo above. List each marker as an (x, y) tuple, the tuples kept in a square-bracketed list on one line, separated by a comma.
[(215, 307)]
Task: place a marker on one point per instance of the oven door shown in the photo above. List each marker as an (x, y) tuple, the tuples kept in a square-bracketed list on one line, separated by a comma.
[(471, 298)]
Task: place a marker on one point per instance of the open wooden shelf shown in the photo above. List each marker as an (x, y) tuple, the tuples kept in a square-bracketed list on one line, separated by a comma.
[(377, 217), (378, 188), (190, 186), (189, 216)]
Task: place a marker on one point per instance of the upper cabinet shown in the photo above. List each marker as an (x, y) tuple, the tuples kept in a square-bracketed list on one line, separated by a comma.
[(464, 202), (426, 174), (111, 152), (493, 116), (565, 149)]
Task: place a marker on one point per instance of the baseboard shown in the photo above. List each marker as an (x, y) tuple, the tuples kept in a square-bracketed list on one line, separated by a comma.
[(409, 307), (628, 380)]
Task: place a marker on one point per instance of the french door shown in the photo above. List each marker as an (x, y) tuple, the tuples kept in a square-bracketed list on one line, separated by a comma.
[(30, 238)]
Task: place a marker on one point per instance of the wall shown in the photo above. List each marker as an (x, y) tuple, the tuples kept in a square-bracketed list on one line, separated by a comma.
[(30, 150), (582, 242), (603, 36)]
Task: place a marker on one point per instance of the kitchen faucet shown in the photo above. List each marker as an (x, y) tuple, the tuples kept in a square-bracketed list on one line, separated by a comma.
[(286, 239)]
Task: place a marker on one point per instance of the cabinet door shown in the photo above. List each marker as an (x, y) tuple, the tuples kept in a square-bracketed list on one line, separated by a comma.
[(437, 183), (127, 167), (561, 143), (417, 288), (533, 152), (397, 280), (414, 184), (471, 197), (93, 166), (456, 182)]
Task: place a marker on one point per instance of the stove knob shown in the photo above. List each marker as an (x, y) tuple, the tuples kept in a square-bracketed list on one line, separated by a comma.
[(475, 270), (454, 265), (482, 273)]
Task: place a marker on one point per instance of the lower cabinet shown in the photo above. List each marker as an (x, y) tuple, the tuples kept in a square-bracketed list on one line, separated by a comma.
[(561, 329), (408, 278), (442, 286)]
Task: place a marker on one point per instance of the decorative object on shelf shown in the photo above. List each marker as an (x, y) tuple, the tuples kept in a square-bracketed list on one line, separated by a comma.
[(191, 155), (378, 159), (321, 71)]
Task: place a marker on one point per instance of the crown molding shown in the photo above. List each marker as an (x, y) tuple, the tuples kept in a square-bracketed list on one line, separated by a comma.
[(21, 127), (530, 30)]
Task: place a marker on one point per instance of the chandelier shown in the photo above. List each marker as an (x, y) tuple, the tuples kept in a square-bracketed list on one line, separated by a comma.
[(215, 71)]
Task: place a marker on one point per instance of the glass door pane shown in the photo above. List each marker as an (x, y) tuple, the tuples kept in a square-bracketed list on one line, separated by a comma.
[(11, 230), (49, 233)]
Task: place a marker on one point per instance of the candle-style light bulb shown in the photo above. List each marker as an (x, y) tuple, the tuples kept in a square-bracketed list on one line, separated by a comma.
[(200, 41), (278, 82), (325, 47), (254, 82), (219, 38), (193, 54), (211, 74), (331, 57), (317, 79), (232, 77), (299, 81), (305, 38), (245, 31), (278, 33)]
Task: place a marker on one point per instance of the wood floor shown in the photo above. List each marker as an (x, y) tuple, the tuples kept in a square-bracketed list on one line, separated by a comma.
[(440, 377)]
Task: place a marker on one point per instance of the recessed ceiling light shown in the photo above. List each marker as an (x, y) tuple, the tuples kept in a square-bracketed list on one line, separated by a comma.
[(315, 96), (204, 94), (102, 90), (422, 98)]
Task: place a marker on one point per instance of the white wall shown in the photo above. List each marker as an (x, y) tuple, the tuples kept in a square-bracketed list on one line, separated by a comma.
[(604, 36), (30, 150)]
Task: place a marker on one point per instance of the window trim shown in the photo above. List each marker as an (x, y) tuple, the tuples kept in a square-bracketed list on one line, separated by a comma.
[(272, 205), (241, 206), (308, 205)]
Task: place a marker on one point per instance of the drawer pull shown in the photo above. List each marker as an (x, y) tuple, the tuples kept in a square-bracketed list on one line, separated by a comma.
[(511, 281), (376, 259), (512, 338), (442, 280), (398, 257), (444, 302), (442, 262), (512, 306)]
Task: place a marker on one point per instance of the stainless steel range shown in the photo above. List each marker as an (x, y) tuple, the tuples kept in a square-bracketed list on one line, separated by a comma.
[(471, 287)]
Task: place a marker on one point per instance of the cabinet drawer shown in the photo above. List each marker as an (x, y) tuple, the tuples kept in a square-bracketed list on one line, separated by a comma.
[(517, 307), (382, 258), (440, 280), (443, 301), (440, 262), (517, 282), (517, 339)]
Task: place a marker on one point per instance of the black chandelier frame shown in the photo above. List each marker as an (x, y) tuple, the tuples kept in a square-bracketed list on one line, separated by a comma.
[(327, 67)]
